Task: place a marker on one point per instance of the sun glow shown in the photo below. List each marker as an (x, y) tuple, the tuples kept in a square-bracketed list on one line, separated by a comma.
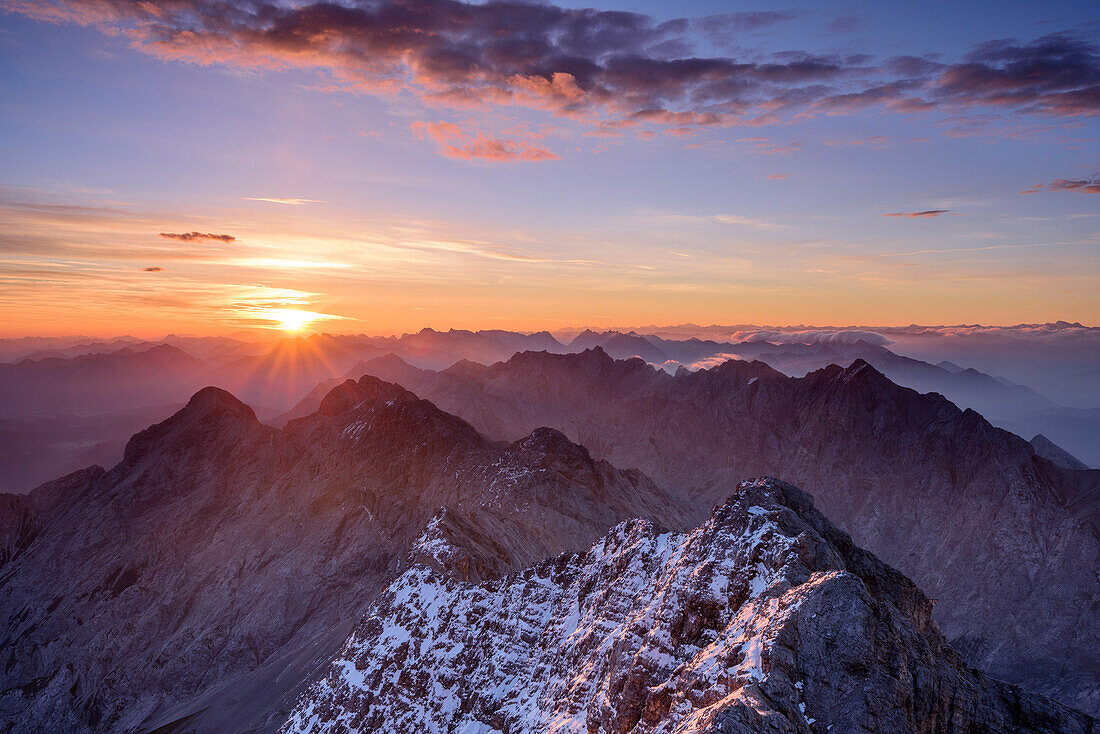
[(291, 319)]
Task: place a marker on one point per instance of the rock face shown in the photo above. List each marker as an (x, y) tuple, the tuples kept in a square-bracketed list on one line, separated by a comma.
[(1004, 539), (1056, 454), (766, 618), (200, 582)]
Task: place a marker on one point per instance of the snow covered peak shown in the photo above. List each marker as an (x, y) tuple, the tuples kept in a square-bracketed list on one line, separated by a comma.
[(765, 618)]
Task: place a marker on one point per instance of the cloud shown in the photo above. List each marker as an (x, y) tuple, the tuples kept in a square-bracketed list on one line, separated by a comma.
[(768, 147), (1057, 74), (289, 202), (794, 336), (920, 215), (734, 219), (590, 65), (708, 362), (745, 221), (1084, 186), (873, 141), (197, 237), (456, 143), (154, 269), (1089, 185)]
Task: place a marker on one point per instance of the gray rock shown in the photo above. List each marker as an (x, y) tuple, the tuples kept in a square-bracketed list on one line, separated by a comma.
[(766, 618), (1053, 452), (1006, 541), (199, 583)]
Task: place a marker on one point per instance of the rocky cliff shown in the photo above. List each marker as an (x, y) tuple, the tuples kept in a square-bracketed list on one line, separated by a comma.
[(1004, 539), (766, 618), (198, 583)]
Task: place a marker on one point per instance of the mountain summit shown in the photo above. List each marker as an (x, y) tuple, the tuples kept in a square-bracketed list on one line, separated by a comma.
[(766, 618), (204, 577), (1003, 538)]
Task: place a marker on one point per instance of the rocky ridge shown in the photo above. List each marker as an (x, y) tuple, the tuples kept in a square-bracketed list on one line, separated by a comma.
[(203, 578), (1004, 539), (765, 618)]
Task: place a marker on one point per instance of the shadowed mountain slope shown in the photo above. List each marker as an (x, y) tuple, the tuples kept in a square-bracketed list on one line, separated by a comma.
[(203, 578), (766, 618), (1005, 540)]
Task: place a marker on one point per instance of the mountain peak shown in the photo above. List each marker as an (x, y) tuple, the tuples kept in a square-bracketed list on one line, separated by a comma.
[(389, 359), (1051, 451), (212, 417), (466, 368), (368, 389), (860, 373), (214, 399), (764, 618), (747, 369), (592, 357), (550, 442), (859, 368)]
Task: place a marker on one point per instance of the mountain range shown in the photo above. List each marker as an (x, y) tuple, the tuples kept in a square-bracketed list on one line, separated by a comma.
[(65, 403), (765, 618), (222, 555), (209, 580), (934, 490)]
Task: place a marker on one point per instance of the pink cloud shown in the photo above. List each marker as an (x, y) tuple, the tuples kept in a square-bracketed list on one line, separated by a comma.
[(1084, 186), (456, 143), (920, 215), (1079, 185)]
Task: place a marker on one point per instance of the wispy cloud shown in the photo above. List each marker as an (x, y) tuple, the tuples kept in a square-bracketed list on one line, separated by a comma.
[(1089, 185), (734, 219), (288, 202), (987, 248), (746, 221), (454, 142), (198, 237), (928, 213)]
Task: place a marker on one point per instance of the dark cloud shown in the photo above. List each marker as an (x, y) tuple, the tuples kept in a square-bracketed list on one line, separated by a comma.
[(1079, 185), (893, 94), (592, 65), (197, 237), (1057, 74), (920, 215), (154, 269), (1082, 185)]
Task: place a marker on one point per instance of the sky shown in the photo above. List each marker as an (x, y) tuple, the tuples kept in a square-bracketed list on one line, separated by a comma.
[(378, 166)]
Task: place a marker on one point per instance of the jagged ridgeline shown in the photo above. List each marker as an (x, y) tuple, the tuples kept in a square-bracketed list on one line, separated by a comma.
[(205, 577), (224, 567), (1004, 539), (766, 618)]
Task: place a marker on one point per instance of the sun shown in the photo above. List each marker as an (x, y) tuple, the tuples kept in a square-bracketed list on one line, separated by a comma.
[(291, 319)]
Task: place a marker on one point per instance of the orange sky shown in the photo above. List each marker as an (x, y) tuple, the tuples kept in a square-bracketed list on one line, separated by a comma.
[(151, 187)]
